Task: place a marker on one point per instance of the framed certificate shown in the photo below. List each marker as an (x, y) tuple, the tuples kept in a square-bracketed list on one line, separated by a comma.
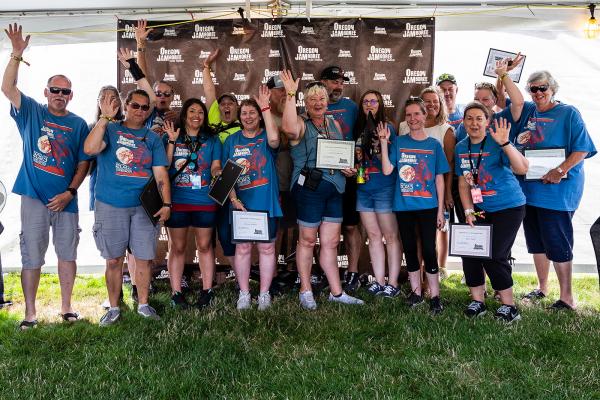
[(335, 154), (225, 182), (543, 160), (471, 241), (249, 226), (497, 55)]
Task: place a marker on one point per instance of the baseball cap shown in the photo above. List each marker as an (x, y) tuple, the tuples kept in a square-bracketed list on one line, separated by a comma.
[(333, 72), (275, 82), (228, 95), (445, 77)]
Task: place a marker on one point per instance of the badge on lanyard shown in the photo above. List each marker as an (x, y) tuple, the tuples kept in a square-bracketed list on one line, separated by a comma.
[(476, 195), (196, 181), (475, 189)]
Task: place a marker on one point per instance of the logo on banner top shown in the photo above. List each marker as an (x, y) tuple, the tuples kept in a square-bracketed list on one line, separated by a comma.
[(204, 32), (307, 77), (274, 54), (129, 32), (239, 54), (379, 77), (416, 76), (416, 53), (169, 78), (351, 77), (419, 30), (344, 54), (387, 101), (198, 78), (170, 32), (239, 77), (176, 100), (268, 74), (238, 30), (308, 54), (272, 31), (169, 55), (127, 78), (307, 30), (343, 30), (380, 54), (379, 31)]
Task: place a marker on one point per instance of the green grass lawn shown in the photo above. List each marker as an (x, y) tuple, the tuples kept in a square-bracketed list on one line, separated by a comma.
[(379, 351)]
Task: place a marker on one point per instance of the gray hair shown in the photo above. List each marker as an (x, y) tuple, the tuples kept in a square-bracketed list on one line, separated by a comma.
[(544, 76)]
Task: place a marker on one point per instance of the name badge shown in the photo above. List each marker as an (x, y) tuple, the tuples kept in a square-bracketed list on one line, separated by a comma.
[(476, 195), (196, 181), (301, 179)]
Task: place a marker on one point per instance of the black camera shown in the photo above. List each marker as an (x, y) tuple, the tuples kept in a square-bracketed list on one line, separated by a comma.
[(310, 178)]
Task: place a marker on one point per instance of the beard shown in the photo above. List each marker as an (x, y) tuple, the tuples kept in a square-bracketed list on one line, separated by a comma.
[(335, 96)]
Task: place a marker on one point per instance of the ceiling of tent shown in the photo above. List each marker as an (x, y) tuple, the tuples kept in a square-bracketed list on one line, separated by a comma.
[(74, 21)]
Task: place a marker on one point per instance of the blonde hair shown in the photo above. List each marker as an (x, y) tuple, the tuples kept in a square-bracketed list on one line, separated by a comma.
[(442, 116)]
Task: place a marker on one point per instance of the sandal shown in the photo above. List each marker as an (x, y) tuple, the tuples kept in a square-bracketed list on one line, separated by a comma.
[(25, 325), (70, 316)]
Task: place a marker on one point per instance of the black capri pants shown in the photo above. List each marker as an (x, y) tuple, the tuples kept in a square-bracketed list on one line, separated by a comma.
[(426, 220), (505, 225)]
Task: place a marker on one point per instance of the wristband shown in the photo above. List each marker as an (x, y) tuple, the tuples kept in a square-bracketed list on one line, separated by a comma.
[(106, 117), (135, 69), (207, 66), (560, 170), (141, 49), (505, 144), (19, 59), (171, 142), (291, 94), (73, 191), (504, 75), (169, 205), (469, 211), (267, 108), (238, 200)]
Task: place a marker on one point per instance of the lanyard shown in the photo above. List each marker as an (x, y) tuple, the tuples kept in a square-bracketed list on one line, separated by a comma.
[(475, 171), (319, 131)]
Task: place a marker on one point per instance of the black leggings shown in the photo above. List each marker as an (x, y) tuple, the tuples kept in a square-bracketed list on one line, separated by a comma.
[(426, 220), (505, 225)]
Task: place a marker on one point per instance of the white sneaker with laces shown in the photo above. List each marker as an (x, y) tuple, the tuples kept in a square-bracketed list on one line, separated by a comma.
[(307, 301), (264, 301), (244, 301), (345, 299)]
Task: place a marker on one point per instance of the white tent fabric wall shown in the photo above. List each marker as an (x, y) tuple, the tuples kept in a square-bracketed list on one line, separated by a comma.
[(573, 61)]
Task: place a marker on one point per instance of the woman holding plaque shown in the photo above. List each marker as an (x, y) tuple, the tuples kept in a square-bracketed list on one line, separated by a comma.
[(317, 191), (194, 155), (486, 162), (419, 197), (375, 196), (255, 148)]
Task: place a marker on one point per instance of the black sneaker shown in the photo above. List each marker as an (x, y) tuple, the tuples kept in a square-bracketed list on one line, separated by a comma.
[(413, 300), (475, 309), (534, 295), (134, 294), (560, 305), (205, 299), (178, 301), (351, 282), (435, 305), (507, 313)]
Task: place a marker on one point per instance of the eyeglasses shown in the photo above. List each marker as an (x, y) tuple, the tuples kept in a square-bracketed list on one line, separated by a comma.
[(535, 89), (163, 94), (136, 106), (57, 90), (314, 83), (370, 102)]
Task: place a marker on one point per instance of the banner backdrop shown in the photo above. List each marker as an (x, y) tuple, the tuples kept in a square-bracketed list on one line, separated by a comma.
[(393, 56)]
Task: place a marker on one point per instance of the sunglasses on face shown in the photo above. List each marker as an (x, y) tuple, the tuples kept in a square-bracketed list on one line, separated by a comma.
[(163, 94), (136, 106), (57, 90), (535, 89), (315, 83), (370, 102)]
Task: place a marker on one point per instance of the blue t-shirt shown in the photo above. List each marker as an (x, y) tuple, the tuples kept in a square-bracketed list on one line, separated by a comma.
[(499, 186), (376, 179), (455, 118), (125, 165), (561, 126), (461, 132), (344, 111), (192, 185), (52, 148), (417, 162), (258, 186)]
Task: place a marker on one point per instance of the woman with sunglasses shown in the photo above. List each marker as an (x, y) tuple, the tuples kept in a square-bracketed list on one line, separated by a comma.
[(419, 197), (194, 154), (485, 164), (255, 148), (317, 192), (375, 196), (552, 199)]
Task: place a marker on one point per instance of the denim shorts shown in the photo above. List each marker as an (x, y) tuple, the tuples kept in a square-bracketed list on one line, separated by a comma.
[(196, 219), (549, 232), (321, 205), (379, 201)]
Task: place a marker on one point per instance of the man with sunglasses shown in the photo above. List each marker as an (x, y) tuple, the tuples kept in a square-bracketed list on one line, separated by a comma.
[(53, 167)]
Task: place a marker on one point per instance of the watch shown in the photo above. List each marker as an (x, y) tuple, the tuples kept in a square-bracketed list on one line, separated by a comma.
[(73, 191), (167, 205)]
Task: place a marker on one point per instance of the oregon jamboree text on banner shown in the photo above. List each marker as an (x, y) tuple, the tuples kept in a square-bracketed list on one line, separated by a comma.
[(394, 57)]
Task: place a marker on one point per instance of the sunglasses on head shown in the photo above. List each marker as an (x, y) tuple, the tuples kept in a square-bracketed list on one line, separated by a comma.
[(136, 106), (414, 100), (535, 89), (163, 94), (315, 83), (370, 102), (57, 90)]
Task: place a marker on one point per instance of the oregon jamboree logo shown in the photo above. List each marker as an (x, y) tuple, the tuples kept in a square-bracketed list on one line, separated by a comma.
[(169, 55), (416, 53), (274, 54), (307, 30), (380, 54), (239, 77), (379, 31), (242, 97), (204, 32), (170, 32), (241, 54), (343, 31), (129, 32), (204, 54), (176, 100), (127, 78), (268, 74), (416, 76), (272, 31), (169, 78), (198, 80), (308, 54), (307, 77), (300, 99), (344, 54), (238, 30), (379, 77), (387, 101), (414, 31), (351, 77)]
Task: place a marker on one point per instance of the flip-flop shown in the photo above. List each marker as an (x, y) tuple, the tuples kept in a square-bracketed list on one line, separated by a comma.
[(70, 316), (25, 325)]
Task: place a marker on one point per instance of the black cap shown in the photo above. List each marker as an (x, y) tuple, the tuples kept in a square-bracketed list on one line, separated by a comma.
[(333, 72), (229, 95), (275, 82)]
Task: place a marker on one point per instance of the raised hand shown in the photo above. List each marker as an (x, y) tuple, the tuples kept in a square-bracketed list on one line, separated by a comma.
[(501, 67), (142, 31), (501, 130), (383, 132), (512, 64), (108, 106), (123, 55), (211, 57), (15, 35), (264, 95), (289, 83), (169, 127)]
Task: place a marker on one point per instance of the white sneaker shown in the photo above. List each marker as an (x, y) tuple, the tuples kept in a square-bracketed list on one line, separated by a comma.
[(307, 301), (345, 299), (264, 301), (148, 312), (244, 301)]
